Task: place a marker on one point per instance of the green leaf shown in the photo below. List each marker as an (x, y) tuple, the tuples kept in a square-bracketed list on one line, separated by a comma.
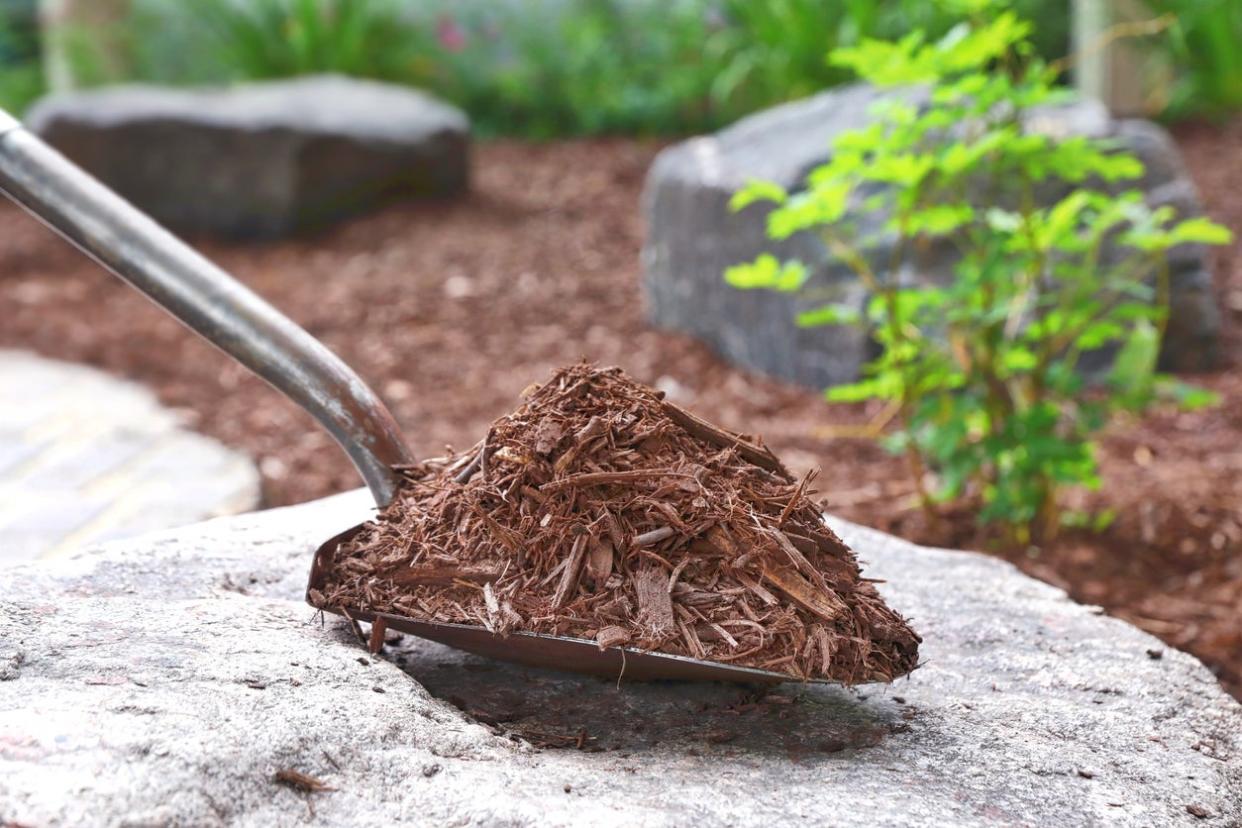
[(1118, 167), (904, 170), (1128, 311), (755, 191), (1187, 396), (1135, 366), (1003, 221), (939, 219), (1200, 230), (1064, 216), (820, 206), (1091, 521), (888, 63), (1099, 334), (766, 272), (829, 315), (883, 387), (980, 45), (1017, 360)]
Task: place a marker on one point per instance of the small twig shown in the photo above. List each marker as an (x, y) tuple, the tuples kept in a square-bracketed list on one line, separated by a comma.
[(870, 430), (603, 478), (571, 573), (483, 456), (647, 553), (793, 500), (465, 474), (378, 628), (677, 570), (1118, 31), (355, 626), (301, 781), (654, 536), (439, 575), (759, 455)]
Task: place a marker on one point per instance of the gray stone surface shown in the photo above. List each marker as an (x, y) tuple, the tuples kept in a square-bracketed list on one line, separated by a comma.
[(86, 457), (692, 237), (164, 680), (264, 159)]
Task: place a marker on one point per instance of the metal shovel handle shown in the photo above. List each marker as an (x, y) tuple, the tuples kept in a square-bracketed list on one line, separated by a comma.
[(209, 301)]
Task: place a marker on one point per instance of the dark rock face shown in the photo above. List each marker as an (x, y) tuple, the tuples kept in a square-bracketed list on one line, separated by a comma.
[(692, 237), (261, 160)]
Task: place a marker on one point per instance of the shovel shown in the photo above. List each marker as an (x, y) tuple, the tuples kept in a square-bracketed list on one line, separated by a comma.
[(223, 311)]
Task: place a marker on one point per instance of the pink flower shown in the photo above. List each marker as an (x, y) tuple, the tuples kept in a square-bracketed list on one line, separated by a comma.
[(450, 35)]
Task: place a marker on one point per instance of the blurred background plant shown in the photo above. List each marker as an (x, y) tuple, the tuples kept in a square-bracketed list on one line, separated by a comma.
[(1205, 47), (21, 74), (564, 67), (261, 39)]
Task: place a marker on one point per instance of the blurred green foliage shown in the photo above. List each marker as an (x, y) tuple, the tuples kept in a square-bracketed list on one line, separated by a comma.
[(555, 67), (21, 75), (563, 67), (545, 68), (1205, 47), (281, 38)]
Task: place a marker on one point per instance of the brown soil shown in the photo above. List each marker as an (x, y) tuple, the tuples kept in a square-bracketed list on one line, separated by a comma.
[(451, 309), (599, 510)]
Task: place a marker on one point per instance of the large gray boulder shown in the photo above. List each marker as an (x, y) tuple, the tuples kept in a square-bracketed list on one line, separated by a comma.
[(262, 159), (166, 680), (692, 236)]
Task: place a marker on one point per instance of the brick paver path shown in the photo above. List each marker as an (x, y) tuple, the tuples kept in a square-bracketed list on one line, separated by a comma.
[(86, 457)]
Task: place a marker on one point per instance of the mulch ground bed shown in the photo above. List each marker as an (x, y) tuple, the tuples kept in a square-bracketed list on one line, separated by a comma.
[(450, 310)]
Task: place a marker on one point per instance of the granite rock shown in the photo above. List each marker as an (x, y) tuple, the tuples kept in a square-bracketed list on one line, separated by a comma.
[(167, 679), (264, 159)]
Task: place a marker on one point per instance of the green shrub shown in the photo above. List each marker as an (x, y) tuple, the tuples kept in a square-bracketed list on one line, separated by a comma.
[(982, 372)]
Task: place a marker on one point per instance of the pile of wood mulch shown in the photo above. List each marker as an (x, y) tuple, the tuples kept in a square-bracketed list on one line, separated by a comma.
[(451, 309), (599, 510)]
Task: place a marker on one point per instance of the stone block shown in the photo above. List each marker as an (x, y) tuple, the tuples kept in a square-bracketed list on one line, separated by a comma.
[(265, 159)]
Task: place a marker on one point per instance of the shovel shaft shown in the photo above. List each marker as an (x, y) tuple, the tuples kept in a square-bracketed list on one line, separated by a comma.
[(205, 298)]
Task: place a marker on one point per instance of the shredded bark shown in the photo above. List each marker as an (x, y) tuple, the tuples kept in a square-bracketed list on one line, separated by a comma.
[(598, 510), (301, 781)]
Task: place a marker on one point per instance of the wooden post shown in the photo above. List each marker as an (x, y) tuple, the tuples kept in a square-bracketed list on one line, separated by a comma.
[(83, 42), (1112, 61)]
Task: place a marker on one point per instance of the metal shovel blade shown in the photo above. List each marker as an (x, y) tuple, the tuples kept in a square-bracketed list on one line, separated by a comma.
[(576, 655)]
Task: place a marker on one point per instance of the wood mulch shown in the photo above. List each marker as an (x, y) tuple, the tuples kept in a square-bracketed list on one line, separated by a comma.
[(601, 511), (451, 309)]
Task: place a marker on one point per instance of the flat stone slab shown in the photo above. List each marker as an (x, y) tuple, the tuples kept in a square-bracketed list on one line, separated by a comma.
[(262, 159), (693, 236), (167, 679), (86, 457)]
